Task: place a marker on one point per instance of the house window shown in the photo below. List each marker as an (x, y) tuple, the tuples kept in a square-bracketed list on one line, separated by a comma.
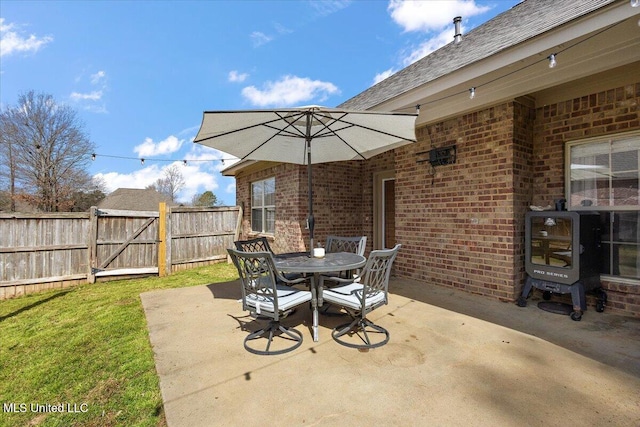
[(604, 176), (263, 206)]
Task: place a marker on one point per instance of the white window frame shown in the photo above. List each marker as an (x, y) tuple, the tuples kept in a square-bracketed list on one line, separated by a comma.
[(611, 139), (262, 206)]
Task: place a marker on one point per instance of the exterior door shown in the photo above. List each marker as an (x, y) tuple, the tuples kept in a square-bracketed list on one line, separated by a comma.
[(388, 213), (384, 212)]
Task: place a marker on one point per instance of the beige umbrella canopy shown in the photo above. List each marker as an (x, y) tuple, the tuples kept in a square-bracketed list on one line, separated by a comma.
[(305, 135)]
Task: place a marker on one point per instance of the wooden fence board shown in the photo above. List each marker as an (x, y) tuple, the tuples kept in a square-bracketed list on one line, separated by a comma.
[(39, 250)]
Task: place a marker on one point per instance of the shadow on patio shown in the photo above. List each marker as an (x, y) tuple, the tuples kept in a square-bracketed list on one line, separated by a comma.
[(608, 338), (453, 359)]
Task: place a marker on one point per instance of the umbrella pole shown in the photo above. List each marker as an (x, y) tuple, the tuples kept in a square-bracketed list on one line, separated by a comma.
[(310, 219)]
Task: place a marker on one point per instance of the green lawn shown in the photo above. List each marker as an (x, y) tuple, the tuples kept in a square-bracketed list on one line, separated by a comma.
[(85, 350)]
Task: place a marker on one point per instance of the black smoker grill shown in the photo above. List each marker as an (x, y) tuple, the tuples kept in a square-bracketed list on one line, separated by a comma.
[(562, 255)]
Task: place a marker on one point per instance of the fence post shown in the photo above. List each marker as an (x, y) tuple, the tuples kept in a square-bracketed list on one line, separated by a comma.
[(168, 239), (236, 235), (92, 244), (162, 239)]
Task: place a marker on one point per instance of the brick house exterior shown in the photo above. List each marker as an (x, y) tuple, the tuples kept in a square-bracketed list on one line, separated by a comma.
[(462, 225)]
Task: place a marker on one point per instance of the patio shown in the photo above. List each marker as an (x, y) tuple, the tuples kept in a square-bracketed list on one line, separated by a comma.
[(453, 359)]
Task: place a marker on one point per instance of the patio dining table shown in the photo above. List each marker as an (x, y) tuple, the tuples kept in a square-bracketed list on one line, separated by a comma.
[(302, 262)]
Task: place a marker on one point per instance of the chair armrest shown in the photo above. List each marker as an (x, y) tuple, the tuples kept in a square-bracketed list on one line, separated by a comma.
[(291, 281), (355, 279)]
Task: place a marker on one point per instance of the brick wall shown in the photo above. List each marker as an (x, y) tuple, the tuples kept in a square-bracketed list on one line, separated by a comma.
[(608, 112), (289, 235), (523, 136), (456, 222), (337, 199), (337, 202)]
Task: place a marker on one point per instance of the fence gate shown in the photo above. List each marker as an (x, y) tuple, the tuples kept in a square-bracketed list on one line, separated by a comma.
[(122, 243)]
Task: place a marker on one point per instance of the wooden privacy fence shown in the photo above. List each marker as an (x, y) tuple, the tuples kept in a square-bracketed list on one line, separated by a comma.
[(44, 251)]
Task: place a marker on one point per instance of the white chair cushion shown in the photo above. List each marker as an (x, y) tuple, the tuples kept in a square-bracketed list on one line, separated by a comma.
[(287, 298), (351, 296)]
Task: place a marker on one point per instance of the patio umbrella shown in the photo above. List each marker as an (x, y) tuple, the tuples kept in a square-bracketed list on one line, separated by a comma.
[(305, 135)]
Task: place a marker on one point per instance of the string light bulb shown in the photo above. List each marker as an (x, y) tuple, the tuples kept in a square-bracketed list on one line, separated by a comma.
[(93, 156), (552, 59), (472, 93), (142, 161), (184, 162)]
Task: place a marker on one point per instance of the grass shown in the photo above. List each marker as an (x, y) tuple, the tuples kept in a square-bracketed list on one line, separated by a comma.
[(86, 348)]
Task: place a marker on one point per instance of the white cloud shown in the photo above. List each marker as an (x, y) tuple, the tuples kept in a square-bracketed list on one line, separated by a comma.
[(235, 76), (327, 7), (204, 155), (98, 77), (290, 90), (383, 75), (137, 179), (281, 29), (12, 42), (196, 181), (92, 100), (149, 148), (431, 15), (434, 18), (96, 95), (260, 38), (231, 188)]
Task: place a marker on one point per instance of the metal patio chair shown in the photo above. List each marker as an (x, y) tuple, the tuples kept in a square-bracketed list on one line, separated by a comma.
[(354, 245), (265, 295), (259, 244), (361, 297)]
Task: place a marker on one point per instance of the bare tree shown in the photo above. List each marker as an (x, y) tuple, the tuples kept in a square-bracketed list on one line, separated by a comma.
[(7, 167), (171, 183), (47, 152)]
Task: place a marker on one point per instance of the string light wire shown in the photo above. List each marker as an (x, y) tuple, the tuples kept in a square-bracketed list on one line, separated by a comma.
[(473, 90), (142, 160), (469, 92)]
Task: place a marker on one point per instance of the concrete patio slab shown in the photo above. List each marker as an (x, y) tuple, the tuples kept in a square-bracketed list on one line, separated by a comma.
[(453, 359)]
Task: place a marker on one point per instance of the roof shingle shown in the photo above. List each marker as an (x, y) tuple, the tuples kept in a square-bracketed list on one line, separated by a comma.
[(522, 22)]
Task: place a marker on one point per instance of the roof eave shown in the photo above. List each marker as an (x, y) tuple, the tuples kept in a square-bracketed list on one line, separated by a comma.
[(522, 68)]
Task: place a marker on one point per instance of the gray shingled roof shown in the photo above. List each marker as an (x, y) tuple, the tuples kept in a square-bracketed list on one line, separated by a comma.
[(135, 199), (516, 25)]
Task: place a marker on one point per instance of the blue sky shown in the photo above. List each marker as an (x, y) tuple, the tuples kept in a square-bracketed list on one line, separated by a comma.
[(140, 73)]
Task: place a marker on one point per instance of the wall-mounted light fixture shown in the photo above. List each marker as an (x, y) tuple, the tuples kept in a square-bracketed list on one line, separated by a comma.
[(440, 156)]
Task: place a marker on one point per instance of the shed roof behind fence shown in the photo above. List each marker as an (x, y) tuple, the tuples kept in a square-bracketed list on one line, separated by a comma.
[(134, 199)]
